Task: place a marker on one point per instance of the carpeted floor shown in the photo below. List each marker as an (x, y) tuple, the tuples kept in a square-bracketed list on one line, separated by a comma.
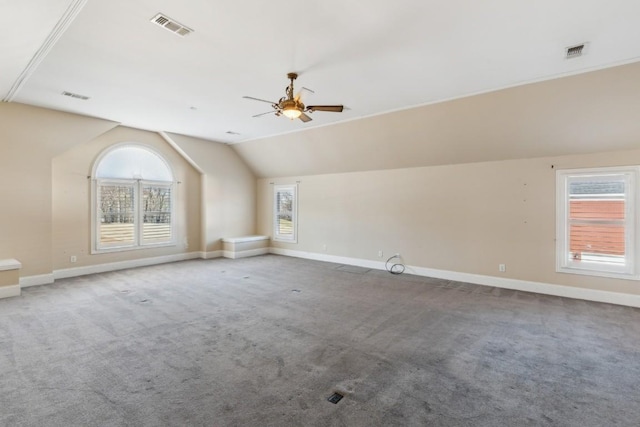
[(265, 341)]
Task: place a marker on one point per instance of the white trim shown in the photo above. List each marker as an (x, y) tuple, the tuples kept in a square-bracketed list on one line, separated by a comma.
[(244, 239), (212, 254), (358, 262), (137, 184), (9, 291), (529, 286), (246, 253), (478, 279), (293, 188), (61, 26), (121, 265), (630, 270), (10, 264), (41, 279)]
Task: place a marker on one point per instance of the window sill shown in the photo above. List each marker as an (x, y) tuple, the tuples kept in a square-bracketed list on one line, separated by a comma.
[(130, 248), (605, 274)]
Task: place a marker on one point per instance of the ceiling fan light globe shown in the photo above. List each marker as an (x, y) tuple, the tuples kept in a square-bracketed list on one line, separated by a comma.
[(292, 113)]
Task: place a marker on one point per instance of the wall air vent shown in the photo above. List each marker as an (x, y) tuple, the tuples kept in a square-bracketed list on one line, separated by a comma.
[(75, 95), (575, 51), (171, 25)]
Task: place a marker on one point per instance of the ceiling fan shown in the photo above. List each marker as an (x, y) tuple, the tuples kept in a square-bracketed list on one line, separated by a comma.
[(292, 107)]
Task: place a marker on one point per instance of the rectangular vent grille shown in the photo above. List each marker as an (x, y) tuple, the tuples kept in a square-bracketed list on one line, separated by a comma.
[(75, 95), (575, 51), (171, 25), (335, 398)]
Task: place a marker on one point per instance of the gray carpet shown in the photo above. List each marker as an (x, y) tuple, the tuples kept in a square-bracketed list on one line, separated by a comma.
[(265, 341)]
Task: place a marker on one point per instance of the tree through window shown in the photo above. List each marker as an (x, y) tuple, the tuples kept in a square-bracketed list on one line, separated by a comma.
[(133, 195)]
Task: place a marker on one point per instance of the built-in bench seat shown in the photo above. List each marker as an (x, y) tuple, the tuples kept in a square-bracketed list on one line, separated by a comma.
[(245, 246)]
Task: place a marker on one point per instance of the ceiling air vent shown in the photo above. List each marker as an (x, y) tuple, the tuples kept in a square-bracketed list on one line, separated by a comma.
[(171, 25), (75, 95), (575, 51)]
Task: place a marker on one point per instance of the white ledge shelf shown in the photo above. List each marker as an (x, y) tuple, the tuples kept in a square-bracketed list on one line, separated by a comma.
[(10, 264)]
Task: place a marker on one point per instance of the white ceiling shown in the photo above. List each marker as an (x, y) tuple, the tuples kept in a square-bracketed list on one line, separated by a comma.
[(373, 57)]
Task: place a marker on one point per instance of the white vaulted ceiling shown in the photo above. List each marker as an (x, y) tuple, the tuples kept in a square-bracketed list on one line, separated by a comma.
[(373, 57)]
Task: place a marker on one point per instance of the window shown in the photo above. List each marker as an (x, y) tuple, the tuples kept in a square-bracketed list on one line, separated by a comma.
[(133, 193), (285, 213), (597, 222)]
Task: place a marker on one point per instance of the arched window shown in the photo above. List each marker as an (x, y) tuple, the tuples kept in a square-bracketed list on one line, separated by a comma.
[(133, 192)]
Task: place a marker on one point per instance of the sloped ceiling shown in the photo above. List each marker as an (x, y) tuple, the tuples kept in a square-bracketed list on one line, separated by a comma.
[(373, 57), (587, 113)]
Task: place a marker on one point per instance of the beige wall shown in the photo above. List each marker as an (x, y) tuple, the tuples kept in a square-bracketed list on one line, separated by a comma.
[(463, 218), (72, 201), (229, 208), (586, 113), (29, 139), (45, 158)]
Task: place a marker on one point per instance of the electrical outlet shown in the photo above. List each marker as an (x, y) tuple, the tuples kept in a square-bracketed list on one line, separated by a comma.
[(73, 258), (502, 268), (379, 254), (324, 248)]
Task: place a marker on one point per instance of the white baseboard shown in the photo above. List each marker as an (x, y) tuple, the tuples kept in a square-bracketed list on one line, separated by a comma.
[(377, 265), (478, 279), (529, 286), (121, 265), (9, 291), (41, 279), (212, 254), (245, 254)]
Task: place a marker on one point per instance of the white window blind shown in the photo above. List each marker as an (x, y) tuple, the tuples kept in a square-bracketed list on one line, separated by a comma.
[(596, 230), (156, 211), (133, 194), (285, 213)]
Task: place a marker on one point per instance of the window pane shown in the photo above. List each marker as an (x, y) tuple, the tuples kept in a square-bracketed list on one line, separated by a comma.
[(133, 163), (117, 215), (284, 209), (156, 207), (596, 220), (597, 242)]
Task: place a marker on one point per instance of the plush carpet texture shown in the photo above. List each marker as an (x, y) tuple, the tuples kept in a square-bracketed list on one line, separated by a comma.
[(265, 341)]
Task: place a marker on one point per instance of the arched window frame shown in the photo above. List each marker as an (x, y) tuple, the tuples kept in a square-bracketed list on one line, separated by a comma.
[(137, 185)]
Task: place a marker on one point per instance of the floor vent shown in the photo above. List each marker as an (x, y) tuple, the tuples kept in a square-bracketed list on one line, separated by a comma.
[(575, 51), (171, 25), (335, 398)]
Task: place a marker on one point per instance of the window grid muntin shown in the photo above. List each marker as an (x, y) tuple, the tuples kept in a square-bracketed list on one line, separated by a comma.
[(137, 182), (590, 265), (285, 213)]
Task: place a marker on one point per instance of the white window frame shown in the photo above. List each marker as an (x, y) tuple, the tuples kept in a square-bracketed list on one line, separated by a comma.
[(137, 185), (293, 189), (564, 262)]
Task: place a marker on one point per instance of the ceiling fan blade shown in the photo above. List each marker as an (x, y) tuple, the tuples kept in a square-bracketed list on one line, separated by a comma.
[(300, 93), (305, 118), (258, 99), (332, 108), (262, 114)]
